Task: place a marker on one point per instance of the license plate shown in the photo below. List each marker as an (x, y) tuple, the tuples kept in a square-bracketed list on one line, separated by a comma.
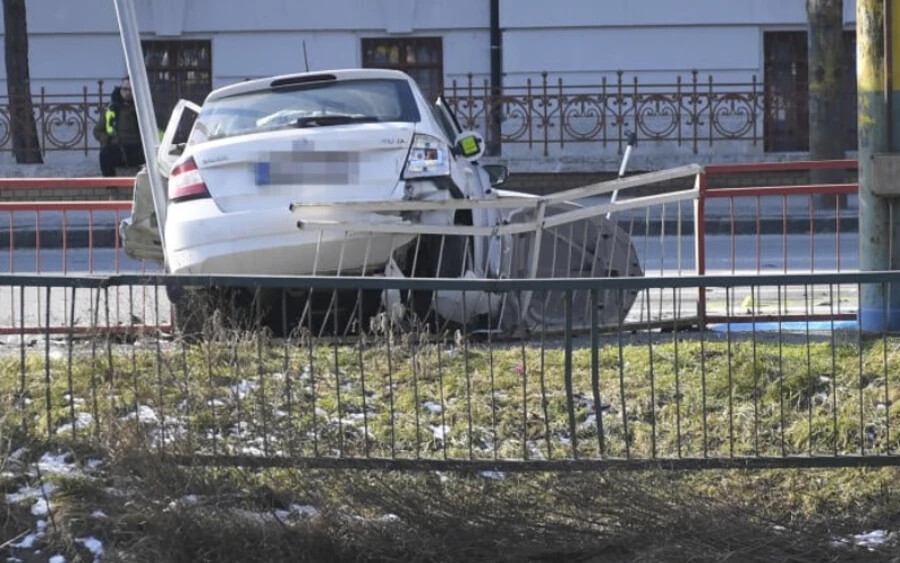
[(319, 167)]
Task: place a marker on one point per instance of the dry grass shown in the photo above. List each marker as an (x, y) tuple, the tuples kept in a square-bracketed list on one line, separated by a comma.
[(159, 512)]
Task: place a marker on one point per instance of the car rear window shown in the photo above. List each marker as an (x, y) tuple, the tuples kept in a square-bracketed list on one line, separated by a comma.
[(316, 104)]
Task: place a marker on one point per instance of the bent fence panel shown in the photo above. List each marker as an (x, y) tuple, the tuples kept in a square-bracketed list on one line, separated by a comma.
[(375, 389)]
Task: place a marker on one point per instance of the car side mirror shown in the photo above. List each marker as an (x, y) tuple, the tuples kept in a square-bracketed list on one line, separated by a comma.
[(469, 145), (498, 173), (177, 149)]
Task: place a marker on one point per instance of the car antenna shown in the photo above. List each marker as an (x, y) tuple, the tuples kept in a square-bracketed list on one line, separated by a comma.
[(305, 60)]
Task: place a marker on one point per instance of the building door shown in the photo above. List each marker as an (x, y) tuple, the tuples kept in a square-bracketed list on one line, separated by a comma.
[(786, 120)]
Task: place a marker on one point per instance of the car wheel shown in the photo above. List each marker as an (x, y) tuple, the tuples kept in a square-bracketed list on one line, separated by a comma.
[(204, 311), (321, 312)]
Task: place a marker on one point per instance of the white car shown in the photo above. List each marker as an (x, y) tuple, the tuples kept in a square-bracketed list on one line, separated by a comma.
[(313, 174), (257, 147)]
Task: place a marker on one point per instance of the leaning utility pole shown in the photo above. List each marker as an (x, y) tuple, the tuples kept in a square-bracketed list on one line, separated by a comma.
[(827, 70), (879, 216)]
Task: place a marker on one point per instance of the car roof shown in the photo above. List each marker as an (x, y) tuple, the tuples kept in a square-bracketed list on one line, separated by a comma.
[(300, 77)]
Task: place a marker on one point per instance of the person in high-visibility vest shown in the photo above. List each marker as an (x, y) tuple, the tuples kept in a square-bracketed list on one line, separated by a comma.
[(118, 132)]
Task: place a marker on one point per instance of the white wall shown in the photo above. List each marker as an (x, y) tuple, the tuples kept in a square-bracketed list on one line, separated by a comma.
[(73, 43)]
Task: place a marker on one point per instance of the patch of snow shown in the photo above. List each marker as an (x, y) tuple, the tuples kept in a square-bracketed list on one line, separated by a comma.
[(93, 545), (18, 340), (496, 475), (99, 514), (191, 499), (18, 453), (440, 431), (216, 403), (590, 421), (14, 560), (57, 559), (25, 543), (82, 420), (321, 412), (244, 388), (304, 510), (41, 525), (432, 407), (40, 507), (56, 464), (872, 539), (389, 518), (26, 493), (69, 399), (144, 414), (94, 463), (252, 451)]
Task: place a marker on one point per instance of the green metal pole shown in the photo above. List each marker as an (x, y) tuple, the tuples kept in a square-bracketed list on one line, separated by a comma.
[(879, 304)]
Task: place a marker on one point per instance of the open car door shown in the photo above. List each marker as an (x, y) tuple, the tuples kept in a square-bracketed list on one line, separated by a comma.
[(140, 232), (169, 151)]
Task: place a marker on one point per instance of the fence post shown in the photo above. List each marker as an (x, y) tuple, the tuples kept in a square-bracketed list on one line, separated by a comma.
[(700, 242)]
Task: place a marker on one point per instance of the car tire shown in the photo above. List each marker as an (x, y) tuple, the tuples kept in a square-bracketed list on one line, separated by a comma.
[(329, 313), (199, 312)]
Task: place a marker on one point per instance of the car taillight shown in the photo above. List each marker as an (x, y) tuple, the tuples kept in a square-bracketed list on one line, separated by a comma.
[(428, 157), (185, 183)]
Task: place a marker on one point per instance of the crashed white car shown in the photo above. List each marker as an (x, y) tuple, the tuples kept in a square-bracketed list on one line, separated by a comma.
[(296, 175)]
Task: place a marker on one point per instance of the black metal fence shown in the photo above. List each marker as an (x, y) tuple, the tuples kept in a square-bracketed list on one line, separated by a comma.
[(542, 114), (387, 391)]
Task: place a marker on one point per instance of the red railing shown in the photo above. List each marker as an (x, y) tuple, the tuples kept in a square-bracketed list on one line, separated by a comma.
[(17, 230), (758, 193)]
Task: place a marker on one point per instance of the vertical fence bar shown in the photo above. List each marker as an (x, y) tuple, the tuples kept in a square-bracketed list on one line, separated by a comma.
[(544, 402), (729, 306), (675, 338), (859, 381), (834, 374), (809, 374), (161, 442), (468, 372), (595, 368), (781, 424), (567, 371), (48, 400), (621, 346), (70, 344), (23, 389), (700, 242), (651, 372), (524, 374)]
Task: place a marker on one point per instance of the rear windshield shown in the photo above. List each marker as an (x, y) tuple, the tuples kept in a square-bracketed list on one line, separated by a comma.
[(318, 104)]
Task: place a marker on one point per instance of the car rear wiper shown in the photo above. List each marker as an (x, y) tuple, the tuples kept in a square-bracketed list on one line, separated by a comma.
[(334, 119)]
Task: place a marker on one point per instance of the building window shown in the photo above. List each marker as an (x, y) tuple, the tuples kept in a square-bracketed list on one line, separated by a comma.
[(176, 70), (786, 119), (420, 57)]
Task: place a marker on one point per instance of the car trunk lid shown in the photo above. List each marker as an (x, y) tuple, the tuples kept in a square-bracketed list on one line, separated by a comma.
[(353, 162)]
